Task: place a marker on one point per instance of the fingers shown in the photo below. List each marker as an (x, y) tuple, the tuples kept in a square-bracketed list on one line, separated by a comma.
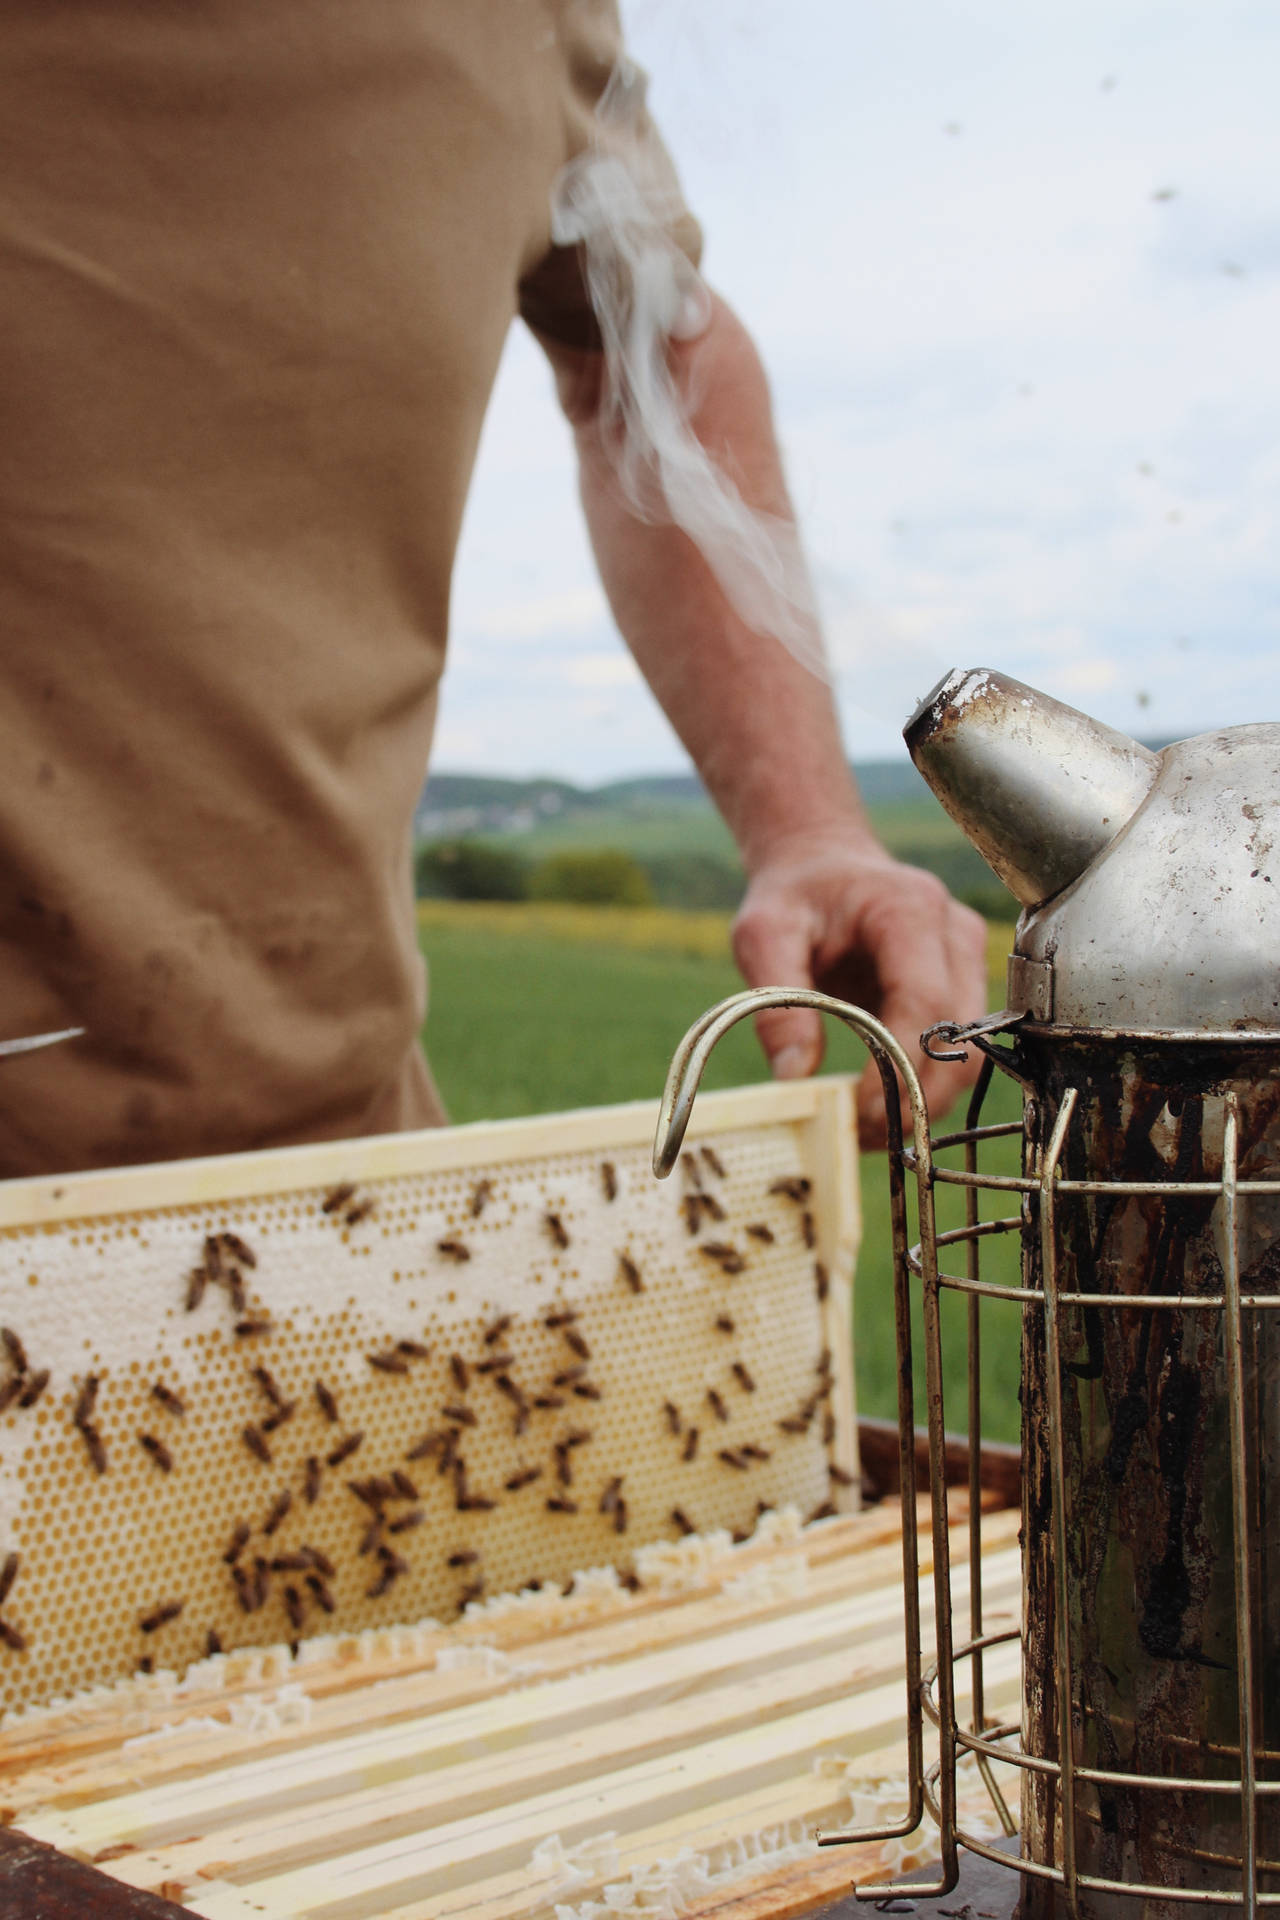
[(773, 948)]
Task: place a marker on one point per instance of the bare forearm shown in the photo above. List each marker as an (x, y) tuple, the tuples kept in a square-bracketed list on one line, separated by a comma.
[(760, 727)]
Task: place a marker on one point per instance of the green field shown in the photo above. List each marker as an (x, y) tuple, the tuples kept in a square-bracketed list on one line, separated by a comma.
[(540, 1008)]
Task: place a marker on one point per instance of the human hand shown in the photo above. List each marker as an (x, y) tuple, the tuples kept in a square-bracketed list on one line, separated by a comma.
[(846, 918)]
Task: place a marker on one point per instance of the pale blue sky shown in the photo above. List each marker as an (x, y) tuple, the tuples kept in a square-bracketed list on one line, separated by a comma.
[(1015, 272)]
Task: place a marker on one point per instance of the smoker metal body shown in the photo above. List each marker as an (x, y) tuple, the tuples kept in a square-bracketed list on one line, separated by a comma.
[(1144, 1026)]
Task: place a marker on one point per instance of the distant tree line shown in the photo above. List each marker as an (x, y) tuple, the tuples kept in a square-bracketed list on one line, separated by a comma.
[(472, 868)]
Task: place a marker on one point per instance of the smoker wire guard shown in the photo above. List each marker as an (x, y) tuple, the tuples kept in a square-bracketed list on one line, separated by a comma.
[(931, 1691)]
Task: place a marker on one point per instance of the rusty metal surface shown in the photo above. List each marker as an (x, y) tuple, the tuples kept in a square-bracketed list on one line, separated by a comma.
[(39, 1883)]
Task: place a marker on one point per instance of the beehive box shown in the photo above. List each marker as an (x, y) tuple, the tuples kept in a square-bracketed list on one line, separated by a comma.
[(251, 1399)]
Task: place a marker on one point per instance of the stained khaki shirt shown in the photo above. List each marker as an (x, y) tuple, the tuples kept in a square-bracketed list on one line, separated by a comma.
[(258, 259)]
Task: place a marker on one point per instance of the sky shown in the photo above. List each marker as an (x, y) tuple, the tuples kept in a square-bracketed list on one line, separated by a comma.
[(1014, 271)]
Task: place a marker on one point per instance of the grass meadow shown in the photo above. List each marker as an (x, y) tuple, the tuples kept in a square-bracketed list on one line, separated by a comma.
[(543, 1007)]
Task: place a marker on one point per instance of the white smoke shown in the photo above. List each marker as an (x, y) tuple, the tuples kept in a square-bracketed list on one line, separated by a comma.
[(617, 202)]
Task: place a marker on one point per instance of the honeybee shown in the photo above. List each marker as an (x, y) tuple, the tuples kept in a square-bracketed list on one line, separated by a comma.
[(672, 1412), (587, 1390), (691, 1171), (808, 1232), (556, 1228), (733, 1458), (821, 1280), (481, 1194), (8, 1574), (558, 1503), (408, 1521), (742, 1375), (690, 1444), (197, 1281), (560, 1317), (496, 1328), (158, 1451), (461, 1372), (328, 1405), (724, 1323), (239, 1249), (171, 1402), (455, 1250), (760, 1231), (256, 1441), (404, 1485), (294, 1608), (13, 1637), (33, 1388), (392, 1362), (311, 1480), (630, 1273), (461, 1416), (839, 1474), (337, 1197), (361, 1211), (161, 1616), (239, 1541), (795, 1187), (713, 1160), (681, 1521), (609, 1179), (574, 1339), (85, 1400), (97, 1450), (266, 1380), (525, 1477), (717, 1404), (413, 1349), (464, 1557), (344, 1449), (609, 1497), (321, 1592), (252, 1324)]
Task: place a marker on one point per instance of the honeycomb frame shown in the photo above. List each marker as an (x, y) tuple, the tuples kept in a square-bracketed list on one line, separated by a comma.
[(521, 1325)]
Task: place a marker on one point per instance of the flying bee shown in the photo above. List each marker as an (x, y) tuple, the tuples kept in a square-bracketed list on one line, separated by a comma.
[(821, 1280), (717, 1405), (690, 1444), (609, 1179), (328, 1405), (630, 1273), (795, 1187), (524, 1478), (742, 1375), (8, 1574), (158, 1451), (760, 1231), (171, 1402), (85, 1400), (712, 1159), (496, 1328), (681, 1521), (33, 1388), (455, 1250), (311, 1480), (461, 1372), (392, 1362), (572, 1338), (556, 1228), (279, 1508), (481, 1194), (337, 1197), (161, 1616), (360, 1211), (256, 1441)]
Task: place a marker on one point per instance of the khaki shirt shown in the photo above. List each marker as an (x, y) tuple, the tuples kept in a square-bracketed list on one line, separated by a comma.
[(257, 262)]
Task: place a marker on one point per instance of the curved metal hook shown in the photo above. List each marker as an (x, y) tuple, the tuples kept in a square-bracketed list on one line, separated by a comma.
[(29, 1042), (689, 1061)]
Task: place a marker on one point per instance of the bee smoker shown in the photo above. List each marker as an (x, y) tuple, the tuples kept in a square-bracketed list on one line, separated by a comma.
[(1143, 1026)]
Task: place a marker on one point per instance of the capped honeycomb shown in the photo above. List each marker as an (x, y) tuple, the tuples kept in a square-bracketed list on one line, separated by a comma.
[(251, 1399)]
